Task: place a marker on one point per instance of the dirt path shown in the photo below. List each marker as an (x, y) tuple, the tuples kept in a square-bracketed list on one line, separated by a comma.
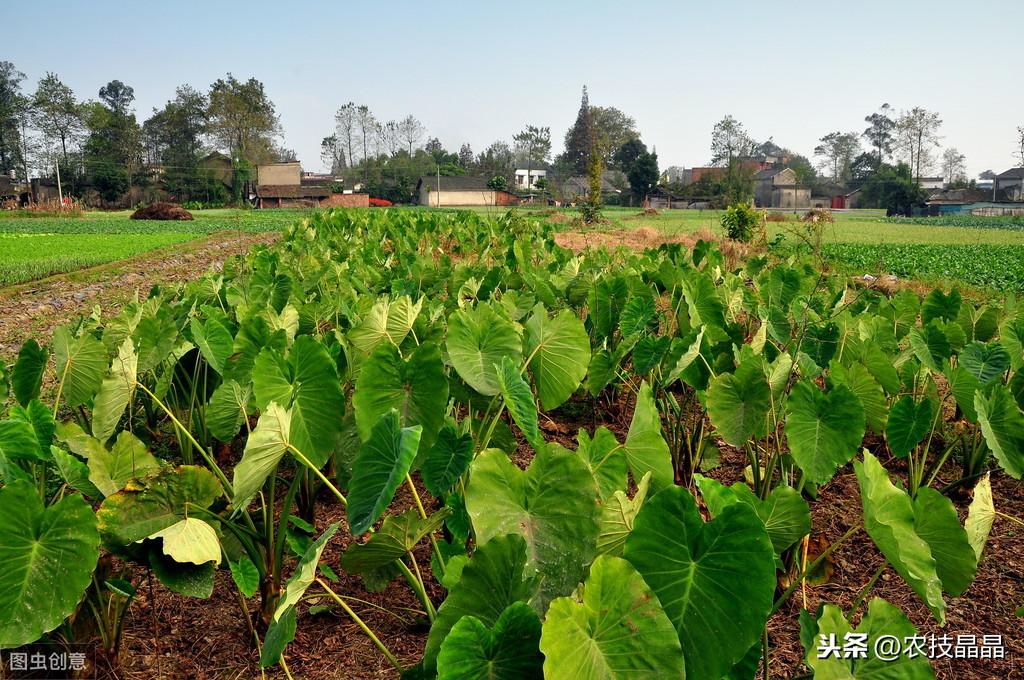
[(35, 308)]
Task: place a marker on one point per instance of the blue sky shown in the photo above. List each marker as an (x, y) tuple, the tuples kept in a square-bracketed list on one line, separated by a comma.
[(479, 71)]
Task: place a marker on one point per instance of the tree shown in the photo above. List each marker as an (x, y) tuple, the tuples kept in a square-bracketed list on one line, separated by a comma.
[(411, 131), (729, 140), (612, 129), (954, 167), (628, 154), (879, 132), (643, 174), (534, 145), (243, 120), (113, 150), (12, 110), (388, 135), (838, 149), (802, 167), (174, 135), (916, 133), (580, 138), (117, 96), (497, 159), (332, 154), (1019, 151), (893, 188), (367, 128), (345, 120), (57, 114), (433, 146), (863, 167), (466, 155)]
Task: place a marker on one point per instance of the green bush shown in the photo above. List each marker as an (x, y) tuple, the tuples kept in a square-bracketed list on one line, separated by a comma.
[(740, 220)]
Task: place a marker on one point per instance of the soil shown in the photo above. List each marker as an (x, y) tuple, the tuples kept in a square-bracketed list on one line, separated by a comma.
[(162, 211)]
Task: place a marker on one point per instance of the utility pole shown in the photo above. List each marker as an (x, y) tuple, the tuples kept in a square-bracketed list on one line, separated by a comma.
[(438, 185), (60, 193)]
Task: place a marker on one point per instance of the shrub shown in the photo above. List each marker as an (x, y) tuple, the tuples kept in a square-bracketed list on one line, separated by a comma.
[(740, 220), (818, 215)]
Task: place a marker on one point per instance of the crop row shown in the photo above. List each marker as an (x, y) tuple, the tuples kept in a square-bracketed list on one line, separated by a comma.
[(371, 351), (1014, 223)]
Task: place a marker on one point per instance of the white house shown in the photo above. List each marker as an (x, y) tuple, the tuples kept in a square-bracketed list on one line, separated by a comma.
[(527, 178)]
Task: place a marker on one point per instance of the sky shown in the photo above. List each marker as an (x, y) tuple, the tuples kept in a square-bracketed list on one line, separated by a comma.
[(480, 71)]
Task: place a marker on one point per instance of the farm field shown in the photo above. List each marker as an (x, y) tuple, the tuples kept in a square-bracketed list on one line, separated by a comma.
[(437, 444)]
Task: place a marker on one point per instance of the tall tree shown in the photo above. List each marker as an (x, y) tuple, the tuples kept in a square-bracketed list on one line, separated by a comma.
[(954, 168), (496, 160), (411, 131), (389, 137), (580, 138), (838, 149), (729, 141), (643, 174), (175, 136), (332, 154), (1019, 151), (466, 155), (12, 109), (612, 129), (242, 119), (879, 132), (533, 146), (346, 120), (917, 132), (113, 150), (627, 154), (367, 128), (57, 114)]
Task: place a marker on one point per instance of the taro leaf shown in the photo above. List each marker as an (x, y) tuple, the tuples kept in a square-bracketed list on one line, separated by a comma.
[(909, 422), (738, 403), (417, 388), (785, 514), (48, 556), (704, 305), (715, 570), (645, 447), (115, 392), (613, 628), (227, 410), (40, 418), (649, 352), (560, 351), (264, 449), (155, 337), (214, 342), (382, 464), (74, 472), (780, 286), (308, 386), (186, 579), (930, 345), (603, 366), (889, 521), (18, 441), (1002, 424), (127, 459), (519, 401), (1017, 388), (821, 342), (639, 314), (605, 301), (27, 376), (979, 324), (254, 335), (862, 383), (155, 503), (880, 366), (686, 359), (508, 651), (245, 575), (938, 305), (447, 460), (963, 386), (1011, 336), (617, 516), (190, 540), (494, 578), (553, 505), (823, 429), (78, 440), (605, 458), (985, 362), (397, 536), (81, 365), (282, 627), (936, 521), (478, 338), (882, 619), (980, 516), (386, 320)]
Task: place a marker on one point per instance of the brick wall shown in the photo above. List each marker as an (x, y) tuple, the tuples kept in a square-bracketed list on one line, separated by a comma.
[(346, 201)]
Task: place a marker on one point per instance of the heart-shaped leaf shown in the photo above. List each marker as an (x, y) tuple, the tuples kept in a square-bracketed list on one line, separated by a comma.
[(519, 401), (478, 338), (508, 651), (738, 403), (115, 392), (909, 422), (1002, 424), (560, 353), (646, 450), (824, 430), (381, 465), (447, 460), (81, 365), (985, 362)]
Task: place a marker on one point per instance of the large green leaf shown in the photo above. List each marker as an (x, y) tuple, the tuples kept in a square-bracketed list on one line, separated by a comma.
[(39, 417), (909, 422), (227, 410), (27, 376), (984, 362), (81, 365), (115, 392), (824, 430), (127, 459), (383, 462), (560, 353), (605, 458), (738, 403), (508, 651), (153, 504), (704, 575), (447, 460), (1002, 424), (264, 448), (417, 388), (612, 628), (938, 305), (553, 505), (397, 536), (18, 441), (47, 556), (862, 383), (936, 521), (646, 450), (387, 321), (617, 516), (519, 401), (478, 338), (214, 342), (824, 638), (930, 345), (307, 386), (889, 521), (494, 578)]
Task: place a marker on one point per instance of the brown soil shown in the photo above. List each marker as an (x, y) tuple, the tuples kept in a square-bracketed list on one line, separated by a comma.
[(162, 211), (34, 309)]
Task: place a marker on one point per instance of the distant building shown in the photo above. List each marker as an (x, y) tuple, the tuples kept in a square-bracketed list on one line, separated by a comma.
[(218, 166), (460, 191), (526, 178), (1010, 183), (578, 186), (283, 185), (778, 188), (974, 202), (931, 183)]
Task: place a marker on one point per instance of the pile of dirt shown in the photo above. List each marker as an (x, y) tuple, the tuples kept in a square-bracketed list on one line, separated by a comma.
[(162, 211)]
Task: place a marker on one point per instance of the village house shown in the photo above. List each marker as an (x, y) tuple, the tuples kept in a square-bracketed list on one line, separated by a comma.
[(778, 188), (1011, 184), (526, 178), (280, 185), (461, 191)]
